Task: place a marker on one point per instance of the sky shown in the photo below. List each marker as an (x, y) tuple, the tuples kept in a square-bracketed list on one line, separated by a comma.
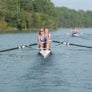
[(74, 4)]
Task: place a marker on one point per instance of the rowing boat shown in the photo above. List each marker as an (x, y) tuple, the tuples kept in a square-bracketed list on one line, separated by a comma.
[(45, 53)]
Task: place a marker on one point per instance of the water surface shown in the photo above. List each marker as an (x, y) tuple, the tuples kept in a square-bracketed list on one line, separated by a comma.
[(68, 69)]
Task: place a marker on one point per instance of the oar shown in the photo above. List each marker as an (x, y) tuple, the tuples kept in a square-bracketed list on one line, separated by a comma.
[(57, 42), (9, 49), (79, 45), (33, 44), (67, 43), (19, 47)]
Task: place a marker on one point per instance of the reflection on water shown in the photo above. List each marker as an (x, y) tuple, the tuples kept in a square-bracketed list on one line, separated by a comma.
[(68, 69)]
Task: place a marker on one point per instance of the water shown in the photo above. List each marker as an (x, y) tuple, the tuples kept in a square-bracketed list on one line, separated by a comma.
[(68, 69)]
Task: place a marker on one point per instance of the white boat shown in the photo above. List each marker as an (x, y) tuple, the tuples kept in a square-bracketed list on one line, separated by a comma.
[(45, 53)]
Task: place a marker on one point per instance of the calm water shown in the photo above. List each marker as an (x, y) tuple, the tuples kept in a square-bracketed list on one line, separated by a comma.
[(68, 69)]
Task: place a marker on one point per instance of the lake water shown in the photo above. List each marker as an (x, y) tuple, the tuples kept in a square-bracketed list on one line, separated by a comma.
[(68, 69)]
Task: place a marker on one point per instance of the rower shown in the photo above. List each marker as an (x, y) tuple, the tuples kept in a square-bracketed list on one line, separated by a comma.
[(41, 39), (48, 38), (74, 31)]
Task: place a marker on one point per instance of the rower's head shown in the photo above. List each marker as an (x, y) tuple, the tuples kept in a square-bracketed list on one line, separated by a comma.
[(41, 31), (46, 30)]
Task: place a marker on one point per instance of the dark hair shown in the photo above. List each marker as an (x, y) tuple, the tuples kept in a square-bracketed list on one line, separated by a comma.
[(45, 28), (39, 32)]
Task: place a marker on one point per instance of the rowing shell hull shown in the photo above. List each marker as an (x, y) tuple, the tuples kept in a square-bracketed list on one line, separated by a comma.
[(45, 53), (75, 35)]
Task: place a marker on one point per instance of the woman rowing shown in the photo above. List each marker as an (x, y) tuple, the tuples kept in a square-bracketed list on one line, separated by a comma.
[(44, 39), (41, 39), (74, 31), (48, 38)]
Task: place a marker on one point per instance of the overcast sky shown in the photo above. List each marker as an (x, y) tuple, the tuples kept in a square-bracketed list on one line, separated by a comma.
[(74, 4)]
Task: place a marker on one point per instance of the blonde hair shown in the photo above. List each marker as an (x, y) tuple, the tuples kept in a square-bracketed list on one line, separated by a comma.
[(42, 29)]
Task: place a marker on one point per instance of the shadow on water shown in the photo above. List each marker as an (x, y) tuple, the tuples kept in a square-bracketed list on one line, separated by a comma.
[(43, 60)]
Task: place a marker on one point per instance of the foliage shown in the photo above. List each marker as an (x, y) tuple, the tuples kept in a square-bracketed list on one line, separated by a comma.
[(3, 25), (68, 17), (29, 14)]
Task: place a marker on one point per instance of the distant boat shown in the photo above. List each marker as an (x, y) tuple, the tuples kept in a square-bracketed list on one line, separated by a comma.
[(75, 34)]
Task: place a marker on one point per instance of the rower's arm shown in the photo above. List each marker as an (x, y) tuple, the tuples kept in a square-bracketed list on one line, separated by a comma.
[(38, 39), (49, 36)]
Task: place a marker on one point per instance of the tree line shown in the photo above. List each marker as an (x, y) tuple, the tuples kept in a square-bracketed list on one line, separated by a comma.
[(70, 18), (23, 15)]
